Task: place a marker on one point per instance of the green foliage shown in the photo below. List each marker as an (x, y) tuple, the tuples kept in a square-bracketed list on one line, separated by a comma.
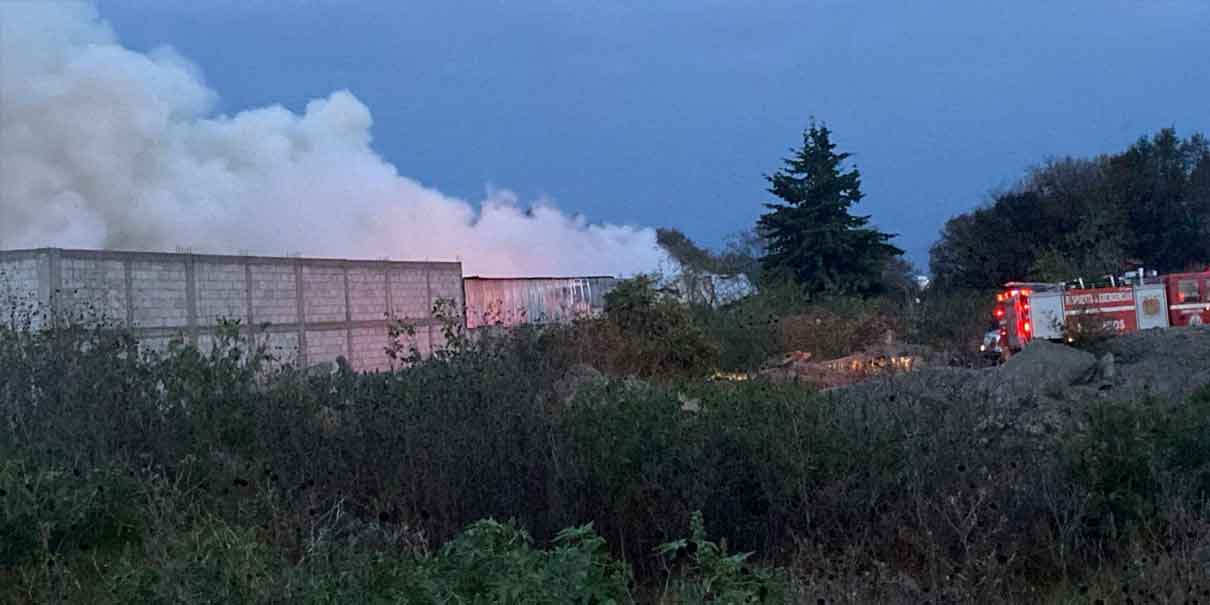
[(837, 326), (657, 334), (695, 258), (702, 571), (493, 562), (1089, 333), (259, 483), (210, 563), (48, 510), (1146, 206), (811, 236), (1115, 462), (1184, 443), (949, 320), (1132, 449)]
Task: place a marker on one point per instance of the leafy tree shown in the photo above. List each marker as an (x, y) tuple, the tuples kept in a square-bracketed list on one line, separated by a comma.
[(707, 277), (811, 236), (1167, 208), (987, 247), (1148, 205)]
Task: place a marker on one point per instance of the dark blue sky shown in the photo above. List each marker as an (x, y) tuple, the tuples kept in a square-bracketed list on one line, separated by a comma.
[(668, 113)]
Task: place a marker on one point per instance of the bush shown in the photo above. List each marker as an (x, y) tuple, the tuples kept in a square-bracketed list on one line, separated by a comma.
[(257, 482), (702, 571), (49, 510), (494, 562)]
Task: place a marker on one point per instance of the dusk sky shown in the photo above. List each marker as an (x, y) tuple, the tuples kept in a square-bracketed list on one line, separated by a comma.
[(669, 113)]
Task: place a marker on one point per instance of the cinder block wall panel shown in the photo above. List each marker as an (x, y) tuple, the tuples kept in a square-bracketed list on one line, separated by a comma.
[(409, 294), (445, 286), (19, 276), (326, 345), (93, 290), (274, 297), (222, 292), (19, 299), (369, 349), (324, 293), (283, 345), (159, 294), (368, 294)]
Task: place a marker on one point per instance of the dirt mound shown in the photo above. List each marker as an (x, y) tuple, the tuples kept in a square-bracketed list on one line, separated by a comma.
[(1168, 364), (1048, 385)]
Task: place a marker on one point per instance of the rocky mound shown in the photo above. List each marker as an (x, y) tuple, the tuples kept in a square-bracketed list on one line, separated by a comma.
[(1047, 385)]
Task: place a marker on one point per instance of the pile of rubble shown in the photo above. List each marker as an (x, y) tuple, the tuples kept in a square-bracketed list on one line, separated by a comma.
[(1041, 390), (886, 358), (1043, 387), (798, 367)]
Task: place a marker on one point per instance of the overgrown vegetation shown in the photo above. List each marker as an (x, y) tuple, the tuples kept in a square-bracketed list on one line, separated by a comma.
[(223, 476), (1146, 206)]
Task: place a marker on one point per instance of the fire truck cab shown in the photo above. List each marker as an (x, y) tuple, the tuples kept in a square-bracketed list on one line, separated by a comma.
[(1015, 312)]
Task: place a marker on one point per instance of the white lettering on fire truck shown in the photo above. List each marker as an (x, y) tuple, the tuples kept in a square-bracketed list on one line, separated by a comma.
[(1099, 298)]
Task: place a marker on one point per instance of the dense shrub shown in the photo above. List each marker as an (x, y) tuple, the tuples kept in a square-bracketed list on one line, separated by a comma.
[(253, 481), (48, 510)]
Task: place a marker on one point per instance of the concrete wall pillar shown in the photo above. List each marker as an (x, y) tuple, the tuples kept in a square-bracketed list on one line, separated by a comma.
[(348, 317), (301, 314), (190, 298)]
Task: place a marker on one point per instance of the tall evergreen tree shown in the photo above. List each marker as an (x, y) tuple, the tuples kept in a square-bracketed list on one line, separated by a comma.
[(811, 236)]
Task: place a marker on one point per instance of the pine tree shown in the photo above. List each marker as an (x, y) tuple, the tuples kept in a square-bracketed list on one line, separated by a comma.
[(811, 236)]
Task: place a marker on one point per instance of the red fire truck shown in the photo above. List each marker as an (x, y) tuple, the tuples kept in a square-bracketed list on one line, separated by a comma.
[(1135, 301)]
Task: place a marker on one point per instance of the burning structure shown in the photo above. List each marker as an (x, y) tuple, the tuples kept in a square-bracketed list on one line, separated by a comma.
[(308, 310), (533, 300)]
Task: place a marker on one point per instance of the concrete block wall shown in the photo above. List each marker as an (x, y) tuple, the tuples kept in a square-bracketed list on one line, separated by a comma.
[(92, 289), (158, 292), (306, 310), (274, 293), (20, 300), (222, 291)]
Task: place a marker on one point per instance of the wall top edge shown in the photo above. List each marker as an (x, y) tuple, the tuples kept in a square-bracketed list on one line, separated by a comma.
[(11, 255), (545, 278), (223, 258)]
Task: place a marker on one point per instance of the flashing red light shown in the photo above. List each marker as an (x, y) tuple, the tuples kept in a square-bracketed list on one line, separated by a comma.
[(1025, 306), (1028, 328), (1014, 292)]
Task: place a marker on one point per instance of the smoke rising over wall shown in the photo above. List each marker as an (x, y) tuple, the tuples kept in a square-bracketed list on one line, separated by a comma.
[(101, 146)]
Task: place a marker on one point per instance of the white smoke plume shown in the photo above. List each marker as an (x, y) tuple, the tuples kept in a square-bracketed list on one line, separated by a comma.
[(104, 147)]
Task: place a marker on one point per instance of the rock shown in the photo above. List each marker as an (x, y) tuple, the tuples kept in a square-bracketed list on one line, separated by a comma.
[(1045, 368), (1106, 369), (689, 404)]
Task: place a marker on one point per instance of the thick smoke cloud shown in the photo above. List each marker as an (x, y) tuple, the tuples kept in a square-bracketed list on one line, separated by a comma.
[(103, 147)]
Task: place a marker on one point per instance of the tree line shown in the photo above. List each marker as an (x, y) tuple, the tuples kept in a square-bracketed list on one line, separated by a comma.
[(1147, 206)]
